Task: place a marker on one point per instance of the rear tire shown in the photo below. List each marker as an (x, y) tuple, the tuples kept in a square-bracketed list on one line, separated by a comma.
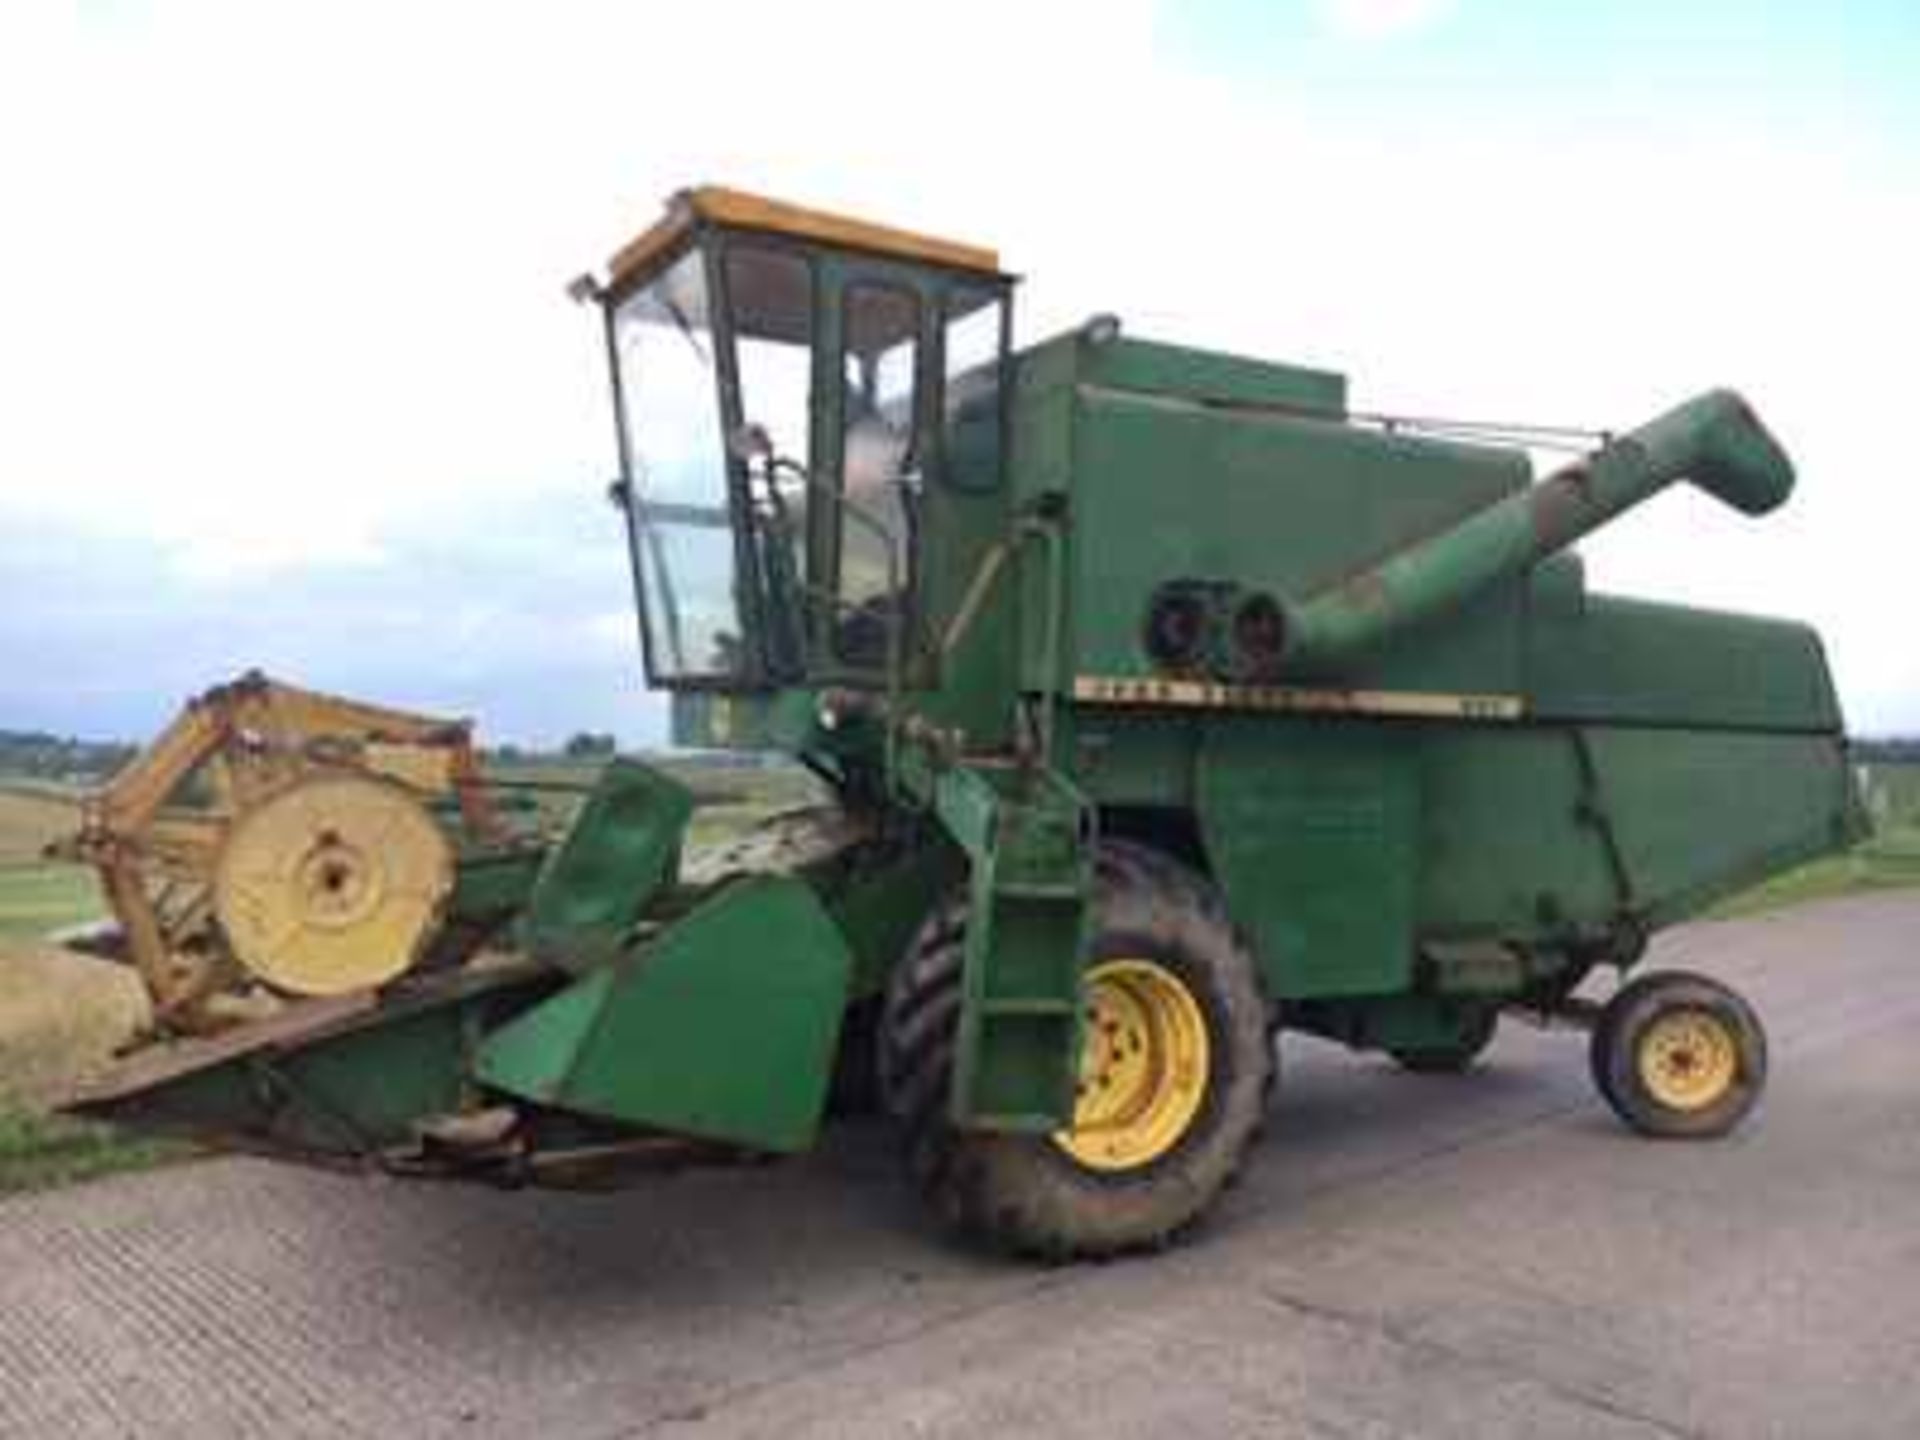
[(1679, 1056), (1168, 970)]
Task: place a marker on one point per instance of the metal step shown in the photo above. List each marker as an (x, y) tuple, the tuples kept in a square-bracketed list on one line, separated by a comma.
[(1028, 1005), (1036, 890)]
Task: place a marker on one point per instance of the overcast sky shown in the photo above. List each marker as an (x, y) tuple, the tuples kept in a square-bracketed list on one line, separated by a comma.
[(287, 378)]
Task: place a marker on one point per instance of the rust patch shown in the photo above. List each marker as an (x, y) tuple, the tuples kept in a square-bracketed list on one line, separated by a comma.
[(1558, 507), (1365, 590)]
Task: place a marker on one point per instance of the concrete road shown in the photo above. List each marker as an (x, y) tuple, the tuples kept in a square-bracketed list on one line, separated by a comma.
[(1481, 1257)]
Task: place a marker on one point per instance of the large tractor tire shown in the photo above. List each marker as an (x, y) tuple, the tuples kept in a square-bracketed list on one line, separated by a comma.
[(1679, 1056), (1173, 1085)]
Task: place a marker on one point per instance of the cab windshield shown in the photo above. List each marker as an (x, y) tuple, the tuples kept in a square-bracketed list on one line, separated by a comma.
[(676, 465), (776, 444)]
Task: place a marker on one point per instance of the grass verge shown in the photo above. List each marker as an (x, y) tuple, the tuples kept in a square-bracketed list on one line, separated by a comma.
[(40, 1151), (1889, 860), (38, 898), (60, 1016)]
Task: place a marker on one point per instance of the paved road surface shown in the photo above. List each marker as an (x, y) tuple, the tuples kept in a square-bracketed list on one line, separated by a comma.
[(1407, 1256)]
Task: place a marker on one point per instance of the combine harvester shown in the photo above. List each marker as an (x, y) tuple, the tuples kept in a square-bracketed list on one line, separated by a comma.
[(1166, 702)]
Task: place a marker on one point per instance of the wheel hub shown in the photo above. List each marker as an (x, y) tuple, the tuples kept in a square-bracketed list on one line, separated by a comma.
[(1143, 1066), (1688, 1059)]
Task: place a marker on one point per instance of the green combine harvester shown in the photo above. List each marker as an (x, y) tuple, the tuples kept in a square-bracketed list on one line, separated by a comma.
[(1166, 703)]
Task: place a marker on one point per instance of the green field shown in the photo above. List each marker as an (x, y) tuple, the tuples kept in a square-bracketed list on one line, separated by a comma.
[(39, 898), (36, 896)]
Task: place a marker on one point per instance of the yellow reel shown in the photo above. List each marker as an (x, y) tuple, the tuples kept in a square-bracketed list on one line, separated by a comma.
[(332, 885)]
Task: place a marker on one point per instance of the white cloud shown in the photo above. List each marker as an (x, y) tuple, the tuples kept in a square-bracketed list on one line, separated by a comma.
[(614, 631), (1378, 19)]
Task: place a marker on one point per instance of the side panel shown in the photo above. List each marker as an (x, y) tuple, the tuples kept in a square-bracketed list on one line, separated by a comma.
[(1503, 850), (1524, 840), (1313, 831), (723, 1026), (1343, 845), (1701, 814)]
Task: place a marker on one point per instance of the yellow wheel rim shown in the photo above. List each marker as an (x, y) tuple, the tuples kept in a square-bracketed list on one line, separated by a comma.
[(1688, 1059), (1143, 1066)]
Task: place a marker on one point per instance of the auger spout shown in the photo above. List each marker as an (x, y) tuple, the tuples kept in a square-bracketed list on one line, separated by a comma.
[(1714, 440)]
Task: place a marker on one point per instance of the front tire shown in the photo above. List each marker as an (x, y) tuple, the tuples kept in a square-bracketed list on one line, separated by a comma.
[(1679, 1056), (1173, 1075)]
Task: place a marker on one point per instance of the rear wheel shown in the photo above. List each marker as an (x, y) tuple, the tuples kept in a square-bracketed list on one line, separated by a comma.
[(1678, 1055), (1174, 1068)]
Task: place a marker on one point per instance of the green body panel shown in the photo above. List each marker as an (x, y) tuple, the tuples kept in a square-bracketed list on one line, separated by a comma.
[(1524, 841), (349, 1089), (343, 1096), (723, 1026), (1698, 815), (621, 848), (1345, 848), (1393, 1022), (1504, 852), (1315, 840), (1633, 661), (1177, 372)]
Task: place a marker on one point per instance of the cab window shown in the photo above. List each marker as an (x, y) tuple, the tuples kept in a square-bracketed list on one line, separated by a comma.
[(970, 417), (880, 365)]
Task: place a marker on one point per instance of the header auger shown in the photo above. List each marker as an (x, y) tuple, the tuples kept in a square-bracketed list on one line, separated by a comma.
[(1165, 703)]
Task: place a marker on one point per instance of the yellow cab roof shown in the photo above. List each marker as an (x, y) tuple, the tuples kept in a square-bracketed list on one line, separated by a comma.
[(716, 204)]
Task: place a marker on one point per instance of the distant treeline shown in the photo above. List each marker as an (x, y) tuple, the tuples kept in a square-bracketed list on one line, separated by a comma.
[(1889, 749), (594, 749), (42, 756)]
